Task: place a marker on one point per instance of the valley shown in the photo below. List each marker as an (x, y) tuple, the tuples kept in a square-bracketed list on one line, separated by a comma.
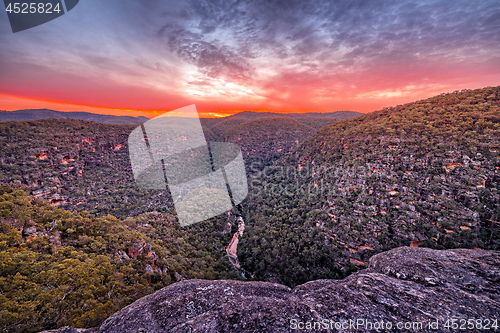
[(423, 173), (322, 201)]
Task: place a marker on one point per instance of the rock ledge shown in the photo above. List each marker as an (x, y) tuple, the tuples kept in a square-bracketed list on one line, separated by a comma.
[(401, 285)]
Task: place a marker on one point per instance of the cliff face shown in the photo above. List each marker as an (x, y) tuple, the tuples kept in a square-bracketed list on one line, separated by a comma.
[(404, 286)]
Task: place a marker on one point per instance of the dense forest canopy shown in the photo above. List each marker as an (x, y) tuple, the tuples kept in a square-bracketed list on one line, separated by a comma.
[(425, 173), (79, 240), (60, 268)]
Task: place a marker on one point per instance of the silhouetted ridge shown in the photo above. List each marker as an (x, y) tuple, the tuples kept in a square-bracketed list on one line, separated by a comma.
[(37, 114)]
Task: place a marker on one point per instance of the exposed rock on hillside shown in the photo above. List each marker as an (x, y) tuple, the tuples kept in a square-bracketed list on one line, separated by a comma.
[(426, 172), (268, 137), (402, 285), (68, 329)]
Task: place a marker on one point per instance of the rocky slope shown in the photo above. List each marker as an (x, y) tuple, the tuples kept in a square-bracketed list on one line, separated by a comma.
[(268, 137), (401, 286), (426, 172)]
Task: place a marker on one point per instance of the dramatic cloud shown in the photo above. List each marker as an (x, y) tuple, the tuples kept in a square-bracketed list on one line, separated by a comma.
[(234, 55)]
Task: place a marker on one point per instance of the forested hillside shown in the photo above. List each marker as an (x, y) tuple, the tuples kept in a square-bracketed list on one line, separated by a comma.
[(58, 268), (424, 173), (220, 126), (75, 164), (265, 139), (84, 165), (320, 204)]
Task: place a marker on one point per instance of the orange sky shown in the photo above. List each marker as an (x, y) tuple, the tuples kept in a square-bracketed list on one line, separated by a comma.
[(123, 58)]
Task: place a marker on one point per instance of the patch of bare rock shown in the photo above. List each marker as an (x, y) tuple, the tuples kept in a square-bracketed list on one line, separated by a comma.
[(405, 284)]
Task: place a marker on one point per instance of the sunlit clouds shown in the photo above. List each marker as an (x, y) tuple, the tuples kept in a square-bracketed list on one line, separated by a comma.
[(226, 56)]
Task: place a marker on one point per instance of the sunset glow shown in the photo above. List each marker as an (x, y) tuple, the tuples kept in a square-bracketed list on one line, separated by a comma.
[(124, 58)]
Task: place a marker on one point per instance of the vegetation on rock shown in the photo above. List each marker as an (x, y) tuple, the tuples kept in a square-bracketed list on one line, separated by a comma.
[(80, 240), (425, 172), (60, 268)]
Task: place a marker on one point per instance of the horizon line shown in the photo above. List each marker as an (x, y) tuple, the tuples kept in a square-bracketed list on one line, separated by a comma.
[(205, 115)]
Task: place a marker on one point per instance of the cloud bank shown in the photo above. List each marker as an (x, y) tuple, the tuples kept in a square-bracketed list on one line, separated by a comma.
[(234, 55)]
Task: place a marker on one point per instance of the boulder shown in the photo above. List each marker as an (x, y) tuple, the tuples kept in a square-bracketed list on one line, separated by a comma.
[(122, 255), (140, 248), (404, 286), (27, 231)]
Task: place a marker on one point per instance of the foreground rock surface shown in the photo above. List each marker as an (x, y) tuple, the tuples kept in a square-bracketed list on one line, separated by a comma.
[(402, 285)]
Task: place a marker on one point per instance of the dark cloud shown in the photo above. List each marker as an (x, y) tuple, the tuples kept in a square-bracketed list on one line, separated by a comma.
[(265, 47), (222, 37), (213, 59)]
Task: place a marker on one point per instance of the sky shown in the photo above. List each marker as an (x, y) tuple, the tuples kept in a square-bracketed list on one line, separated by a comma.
[(146, 57)]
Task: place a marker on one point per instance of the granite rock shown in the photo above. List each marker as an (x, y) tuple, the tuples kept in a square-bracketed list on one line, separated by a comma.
[(403, 285)]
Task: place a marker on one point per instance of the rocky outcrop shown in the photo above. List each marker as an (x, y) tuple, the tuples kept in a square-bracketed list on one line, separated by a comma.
[(141, 248), (67, 329), (404, 286)]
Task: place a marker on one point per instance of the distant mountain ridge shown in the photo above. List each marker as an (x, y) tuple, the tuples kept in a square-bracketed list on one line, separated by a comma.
[(313, 119), (336, 114), (37, 114), (316, 120)]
